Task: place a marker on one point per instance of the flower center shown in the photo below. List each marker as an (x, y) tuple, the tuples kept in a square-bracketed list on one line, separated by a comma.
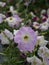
[(44, 24), (10, 18), (26, 37)]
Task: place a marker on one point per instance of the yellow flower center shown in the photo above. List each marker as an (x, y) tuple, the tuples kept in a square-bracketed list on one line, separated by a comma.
[(44, 24), (10, 18), (26, 37)]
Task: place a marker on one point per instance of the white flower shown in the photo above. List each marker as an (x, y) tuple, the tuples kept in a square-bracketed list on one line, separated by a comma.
[(41, 41), (48, 21), (32, 14), (4, 39), (6, 36), (2, 17), (11, 8), (43, 52), (34, 60), (44, 26), (15, 31), (48, 12), (36, 25), (22, 24), (43, 11), (47, 54), (46, 61), (2, 4), (11, 21)]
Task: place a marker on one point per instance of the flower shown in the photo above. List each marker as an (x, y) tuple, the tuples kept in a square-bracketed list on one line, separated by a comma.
[(46, 61), (13, 20), (43, 12), (41, 41), (43, 19), (12, 10), (15, 31), (4, 39), (44, 16), (6, 36), (26, 39), (2, 4), (34, 60), (43, 52), (18, 19), (34, 17), (48, 21), (44, 26), (36, 25), (1, 17), (48, 12)]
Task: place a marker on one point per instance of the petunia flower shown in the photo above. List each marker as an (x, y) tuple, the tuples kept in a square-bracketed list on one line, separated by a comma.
[(36, 25), (15, 31), (46, 57), (43, 12), (26, 39), (43, 52), (2, 4), (12, 10), (48, 21), (18, 19), (2, 16), (4, 39), (6, 36), (44, 26), (43, 19), (48, 12), (41, 41), (46, 61), (34, 60), (13, 20)]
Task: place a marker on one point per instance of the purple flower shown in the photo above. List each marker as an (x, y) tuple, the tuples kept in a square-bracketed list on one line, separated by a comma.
[(34, 18), (26, 39), (45, 14), (18, 19), (47, 61)]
